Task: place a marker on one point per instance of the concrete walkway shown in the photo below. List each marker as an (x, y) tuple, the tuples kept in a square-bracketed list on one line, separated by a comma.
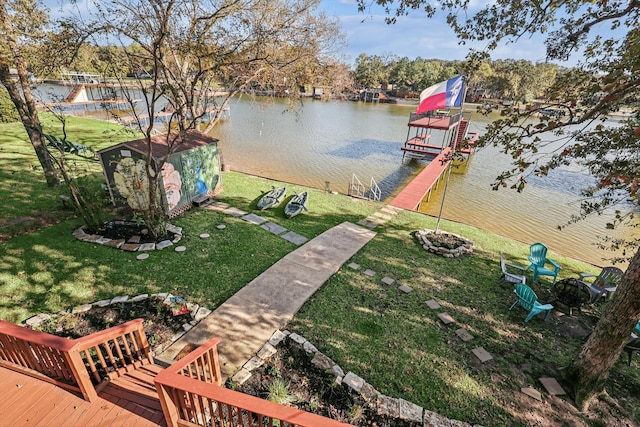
[(249, 318)]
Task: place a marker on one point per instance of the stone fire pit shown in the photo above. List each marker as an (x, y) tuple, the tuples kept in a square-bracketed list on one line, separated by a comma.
[(448, 245)]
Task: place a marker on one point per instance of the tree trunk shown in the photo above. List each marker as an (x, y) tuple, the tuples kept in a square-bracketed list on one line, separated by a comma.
[(590, 370), (22, 98)]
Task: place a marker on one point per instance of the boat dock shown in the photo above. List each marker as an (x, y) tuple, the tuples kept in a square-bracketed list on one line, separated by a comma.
[(420, 146), (422, 185)]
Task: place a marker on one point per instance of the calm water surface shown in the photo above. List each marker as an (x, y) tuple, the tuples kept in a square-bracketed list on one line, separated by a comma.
[(329, 142)]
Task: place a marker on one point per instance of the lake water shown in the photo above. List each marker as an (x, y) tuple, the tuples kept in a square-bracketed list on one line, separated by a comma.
[(325, 144), (329, 142)]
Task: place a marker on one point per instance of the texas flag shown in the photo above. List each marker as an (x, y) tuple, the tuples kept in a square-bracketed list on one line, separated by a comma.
[(442, 95)]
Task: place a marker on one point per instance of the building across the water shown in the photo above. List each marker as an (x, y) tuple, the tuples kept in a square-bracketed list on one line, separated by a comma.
[(78, 77)]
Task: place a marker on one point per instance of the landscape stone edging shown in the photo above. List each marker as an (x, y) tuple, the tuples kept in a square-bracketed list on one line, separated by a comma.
[(466, 248), (133, 244), (384, 405), (196, 312)]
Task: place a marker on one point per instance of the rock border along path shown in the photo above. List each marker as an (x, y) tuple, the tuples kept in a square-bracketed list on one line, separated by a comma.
[(384, 405)]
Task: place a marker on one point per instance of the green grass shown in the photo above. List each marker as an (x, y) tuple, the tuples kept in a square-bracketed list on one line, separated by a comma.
[(389, 338)]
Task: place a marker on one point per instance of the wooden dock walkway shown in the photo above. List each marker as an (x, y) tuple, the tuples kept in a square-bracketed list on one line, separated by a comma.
[(413, 194)]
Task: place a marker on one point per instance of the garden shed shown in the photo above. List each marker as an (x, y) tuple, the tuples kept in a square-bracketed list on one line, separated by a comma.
[(189, 164)]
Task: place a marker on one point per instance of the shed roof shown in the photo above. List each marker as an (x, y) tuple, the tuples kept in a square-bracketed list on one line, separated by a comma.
[(160, 144)]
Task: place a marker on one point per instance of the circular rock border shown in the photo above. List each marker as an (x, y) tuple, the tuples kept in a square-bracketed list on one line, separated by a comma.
[(423, 238), (197, 314), (131, 245)]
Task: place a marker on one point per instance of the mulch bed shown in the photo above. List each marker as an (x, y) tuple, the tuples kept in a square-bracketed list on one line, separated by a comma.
[(160, 325), (311, 389)]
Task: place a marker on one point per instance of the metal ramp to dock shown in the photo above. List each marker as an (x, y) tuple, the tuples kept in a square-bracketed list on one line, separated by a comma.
[(359, 190)]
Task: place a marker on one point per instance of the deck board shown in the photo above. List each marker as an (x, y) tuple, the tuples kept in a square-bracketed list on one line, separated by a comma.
[(32, 402)]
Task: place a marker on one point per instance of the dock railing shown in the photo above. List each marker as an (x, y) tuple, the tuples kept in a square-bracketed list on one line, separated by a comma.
[(374, 190), (356, 187), (191, 394), (73, 364)]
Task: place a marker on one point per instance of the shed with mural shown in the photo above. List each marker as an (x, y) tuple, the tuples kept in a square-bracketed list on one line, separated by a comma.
[(191, 169)]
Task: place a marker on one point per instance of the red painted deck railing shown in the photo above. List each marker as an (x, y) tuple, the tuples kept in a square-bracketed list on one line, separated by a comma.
[(73, 364), (191, 395)]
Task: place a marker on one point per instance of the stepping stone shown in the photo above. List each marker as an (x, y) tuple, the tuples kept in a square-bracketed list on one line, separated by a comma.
[(445, 318), (294, 238), (221, 226), (369, 272), (406, 289), (367, 224), (205, 235), (254, 219), (389, 211), (354, 266), (382, 216), (274, 228), (216, 206), (143, 256), (374, 220), (532, 392), (235, 212), (463, 334), (388, 281), (433, 304), (552, 386), (482, 354), (181, 248)]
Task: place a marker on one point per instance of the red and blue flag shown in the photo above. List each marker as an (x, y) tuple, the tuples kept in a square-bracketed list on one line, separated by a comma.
[(446, 94)]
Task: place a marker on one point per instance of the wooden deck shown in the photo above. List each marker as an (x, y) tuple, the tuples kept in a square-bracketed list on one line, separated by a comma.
[(127, 401), (411, 196)]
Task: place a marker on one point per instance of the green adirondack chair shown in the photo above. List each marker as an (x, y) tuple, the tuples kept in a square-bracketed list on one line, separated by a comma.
[(529, 301), (538, 259)]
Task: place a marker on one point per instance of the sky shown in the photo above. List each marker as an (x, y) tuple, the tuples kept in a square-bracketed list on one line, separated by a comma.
[(415, 36), (411, 36)]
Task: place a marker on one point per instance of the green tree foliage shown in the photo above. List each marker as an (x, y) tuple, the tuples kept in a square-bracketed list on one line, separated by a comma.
[(189, 58), (23, 25), (606, 37), (8, 113), (371, 71)]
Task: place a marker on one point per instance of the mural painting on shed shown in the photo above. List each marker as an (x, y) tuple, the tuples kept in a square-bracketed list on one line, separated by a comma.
[(193, 169)]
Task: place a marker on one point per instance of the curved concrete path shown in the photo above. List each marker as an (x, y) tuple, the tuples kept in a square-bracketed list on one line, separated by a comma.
[(248, 319)]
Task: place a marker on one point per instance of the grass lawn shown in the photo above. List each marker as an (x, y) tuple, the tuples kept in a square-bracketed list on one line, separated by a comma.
[(390, 338)]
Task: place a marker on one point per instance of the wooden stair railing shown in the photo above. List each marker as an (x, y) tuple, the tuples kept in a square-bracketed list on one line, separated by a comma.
[(73, 364), (191, 395)]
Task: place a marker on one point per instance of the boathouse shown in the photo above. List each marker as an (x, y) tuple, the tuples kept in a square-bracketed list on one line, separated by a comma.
[(456, 145), (189, 165)]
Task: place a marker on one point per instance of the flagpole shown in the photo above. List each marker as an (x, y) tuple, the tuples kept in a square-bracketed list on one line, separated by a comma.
[(453, 151)]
